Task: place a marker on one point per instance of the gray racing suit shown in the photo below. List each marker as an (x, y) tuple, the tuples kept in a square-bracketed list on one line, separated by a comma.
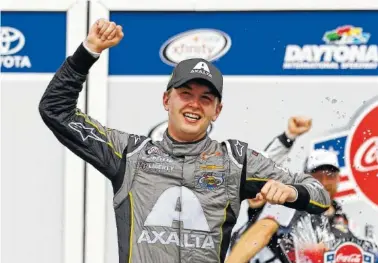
[(174, 202)]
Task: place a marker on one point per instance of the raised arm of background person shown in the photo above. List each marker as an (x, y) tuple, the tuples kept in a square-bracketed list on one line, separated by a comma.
[(253, 241), (83, 135), (279, 148), (264, 175)]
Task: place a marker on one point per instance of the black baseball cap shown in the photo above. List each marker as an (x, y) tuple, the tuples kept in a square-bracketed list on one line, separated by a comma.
[(197, 68)]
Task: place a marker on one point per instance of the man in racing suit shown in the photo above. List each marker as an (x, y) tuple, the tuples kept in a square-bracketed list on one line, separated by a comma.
[(175, 200), (331, 228)]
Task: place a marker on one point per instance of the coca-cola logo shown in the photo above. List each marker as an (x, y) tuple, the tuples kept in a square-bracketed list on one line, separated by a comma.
[(362, 151), (354, 258), (365, 159), (348, 253)]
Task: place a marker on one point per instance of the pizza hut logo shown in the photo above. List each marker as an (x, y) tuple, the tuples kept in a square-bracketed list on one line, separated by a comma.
[(348, 253), (362, 151)]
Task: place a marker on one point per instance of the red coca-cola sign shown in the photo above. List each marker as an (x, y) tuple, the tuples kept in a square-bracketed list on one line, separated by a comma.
[(348, 253), (362, 151)]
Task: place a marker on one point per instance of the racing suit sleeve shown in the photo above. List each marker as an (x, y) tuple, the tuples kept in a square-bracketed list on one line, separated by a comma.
[(312, 197), (279, 148), (83, 135)]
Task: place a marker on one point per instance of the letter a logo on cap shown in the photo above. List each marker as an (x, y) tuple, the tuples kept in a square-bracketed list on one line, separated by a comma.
[(202, 68)]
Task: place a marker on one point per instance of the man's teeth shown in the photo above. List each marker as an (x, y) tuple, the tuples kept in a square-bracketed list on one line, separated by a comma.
[(192, 116)]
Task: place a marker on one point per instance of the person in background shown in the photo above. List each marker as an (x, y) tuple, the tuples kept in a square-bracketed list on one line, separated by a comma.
[(276, 222), (321, 164)]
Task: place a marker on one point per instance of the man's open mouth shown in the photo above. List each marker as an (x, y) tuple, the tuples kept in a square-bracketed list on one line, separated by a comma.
[(192, 116)]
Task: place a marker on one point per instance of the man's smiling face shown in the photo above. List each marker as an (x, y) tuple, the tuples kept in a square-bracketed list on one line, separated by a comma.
[(191, 109)]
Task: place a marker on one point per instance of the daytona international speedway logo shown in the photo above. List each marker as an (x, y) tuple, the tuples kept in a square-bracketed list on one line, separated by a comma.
[(346, 47)]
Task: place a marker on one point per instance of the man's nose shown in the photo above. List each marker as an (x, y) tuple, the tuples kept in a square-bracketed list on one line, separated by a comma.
[(194, 102)]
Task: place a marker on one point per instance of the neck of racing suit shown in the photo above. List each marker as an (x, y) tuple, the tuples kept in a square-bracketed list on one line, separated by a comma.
[(176, 148)]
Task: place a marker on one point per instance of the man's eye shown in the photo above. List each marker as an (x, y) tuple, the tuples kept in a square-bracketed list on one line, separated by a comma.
[(207, 98)]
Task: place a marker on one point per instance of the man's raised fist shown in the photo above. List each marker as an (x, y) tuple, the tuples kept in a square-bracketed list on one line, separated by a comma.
[(298, 126), (102, 35)]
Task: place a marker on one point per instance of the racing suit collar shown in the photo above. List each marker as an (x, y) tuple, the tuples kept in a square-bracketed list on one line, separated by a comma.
[(176, 148)]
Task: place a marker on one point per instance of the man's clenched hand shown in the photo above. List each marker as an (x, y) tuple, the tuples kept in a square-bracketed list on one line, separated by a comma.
[(275, 192), (298, 125), (102, 35)]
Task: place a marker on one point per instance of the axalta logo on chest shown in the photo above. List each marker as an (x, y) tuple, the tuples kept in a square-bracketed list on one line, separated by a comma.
[(171, 224), (344, 48), (180, 240)]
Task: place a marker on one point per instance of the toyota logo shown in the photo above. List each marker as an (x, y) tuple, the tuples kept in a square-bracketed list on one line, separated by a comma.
[(12, 40)]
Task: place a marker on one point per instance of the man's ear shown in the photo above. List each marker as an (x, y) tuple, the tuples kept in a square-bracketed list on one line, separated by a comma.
[(218, 110), (166, 96)]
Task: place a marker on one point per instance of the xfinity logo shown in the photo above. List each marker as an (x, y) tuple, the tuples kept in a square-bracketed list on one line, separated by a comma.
[(207, 43)]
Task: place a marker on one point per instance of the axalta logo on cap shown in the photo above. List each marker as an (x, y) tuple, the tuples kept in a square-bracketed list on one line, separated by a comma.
[(348, 253), (202, 68), (362, 151)]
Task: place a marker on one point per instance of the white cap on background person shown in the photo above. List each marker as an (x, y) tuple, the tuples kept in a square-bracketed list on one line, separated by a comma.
[(321, 158)]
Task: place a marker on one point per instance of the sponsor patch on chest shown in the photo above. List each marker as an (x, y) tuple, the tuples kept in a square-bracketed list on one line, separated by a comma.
[(209, 180), (155, 167), (156, 161)]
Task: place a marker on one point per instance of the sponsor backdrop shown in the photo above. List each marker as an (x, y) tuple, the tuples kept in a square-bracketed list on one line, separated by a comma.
[(32, 159), (255, 108), (21, 49), (249, 43)]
